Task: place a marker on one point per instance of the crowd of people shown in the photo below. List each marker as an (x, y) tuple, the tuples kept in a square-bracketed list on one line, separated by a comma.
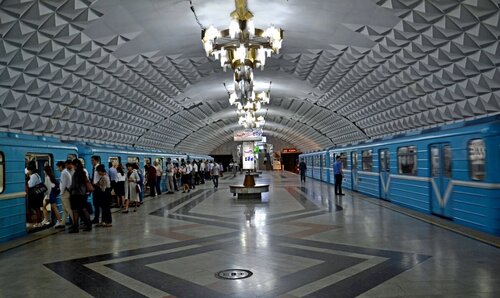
[(113, 187)]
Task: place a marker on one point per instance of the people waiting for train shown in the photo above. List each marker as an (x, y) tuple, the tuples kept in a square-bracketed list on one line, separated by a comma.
[(141, 181), (94, 177), (51, 198), (66, 169), (170, 176), (184, 176), (215, 174), (112, 175), (120, 185), (132, 188), (79, 189), (159, 174), (102, 193), (302, 169), (177, 177), (196, 179), (338, 174), (35, 200), (203, 167), (151, 179), (189, 173)]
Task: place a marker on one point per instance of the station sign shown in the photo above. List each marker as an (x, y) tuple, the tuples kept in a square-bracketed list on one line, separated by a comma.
[(290, 150), (245, 135)]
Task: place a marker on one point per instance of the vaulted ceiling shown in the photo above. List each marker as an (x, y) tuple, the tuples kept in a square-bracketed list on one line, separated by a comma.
[(134, 72)]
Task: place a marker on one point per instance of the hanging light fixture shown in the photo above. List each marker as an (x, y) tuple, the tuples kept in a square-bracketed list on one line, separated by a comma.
[(242, 44)]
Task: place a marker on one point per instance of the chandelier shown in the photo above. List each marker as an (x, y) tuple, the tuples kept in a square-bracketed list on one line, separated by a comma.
[(242, 44), (244, 48)]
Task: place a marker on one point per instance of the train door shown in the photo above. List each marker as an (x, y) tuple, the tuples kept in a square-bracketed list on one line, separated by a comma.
[(384, 171), (39, 161), (320, 166), (440, 167), (354, 170)]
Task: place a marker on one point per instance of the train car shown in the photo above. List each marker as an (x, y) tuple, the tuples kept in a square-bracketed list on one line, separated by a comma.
[(124, 155), (200, 157), (449, 171), (16, 150), (309, 160)]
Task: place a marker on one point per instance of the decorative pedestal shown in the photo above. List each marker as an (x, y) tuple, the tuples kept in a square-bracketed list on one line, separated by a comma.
[(249, 190)]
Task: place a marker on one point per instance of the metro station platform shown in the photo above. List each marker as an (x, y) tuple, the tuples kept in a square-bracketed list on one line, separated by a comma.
[(299, 241)]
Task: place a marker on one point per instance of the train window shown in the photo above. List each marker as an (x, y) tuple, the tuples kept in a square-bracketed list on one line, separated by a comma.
[(2, 169), (354, 160), (447, 161), (114, 160), (367, 160), (435, 162), (323, 162), (477, 159), (385, 159), (343, 160), (407, 160), (133, 159)]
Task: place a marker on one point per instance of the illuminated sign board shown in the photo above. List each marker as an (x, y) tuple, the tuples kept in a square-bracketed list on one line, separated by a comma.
[(251, 134), (248, 157)]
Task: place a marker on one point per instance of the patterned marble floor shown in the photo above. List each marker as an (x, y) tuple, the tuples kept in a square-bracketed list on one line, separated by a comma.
[(300, 240)]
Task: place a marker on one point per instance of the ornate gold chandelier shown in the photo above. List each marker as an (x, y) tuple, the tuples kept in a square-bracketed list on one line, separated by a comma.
[(242, 44), (244, 48)]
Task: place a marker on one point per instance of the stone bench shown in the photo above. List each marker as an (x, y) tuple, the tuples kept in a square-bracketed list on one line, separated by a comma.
[(252, 192)]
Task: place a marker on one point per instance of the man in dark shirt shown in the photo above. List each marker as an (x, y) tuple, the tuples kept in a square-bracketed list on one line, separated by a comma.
[(338, 173), (302, 169)]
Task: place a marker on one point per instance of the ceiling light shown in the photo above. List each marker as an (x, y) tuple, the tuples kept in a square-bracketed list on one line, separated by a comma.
[(242, 43)]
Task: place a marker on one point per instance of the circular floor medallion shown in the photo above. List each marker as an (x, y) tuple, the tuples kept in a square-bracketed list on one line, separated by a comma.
[(233, 274)]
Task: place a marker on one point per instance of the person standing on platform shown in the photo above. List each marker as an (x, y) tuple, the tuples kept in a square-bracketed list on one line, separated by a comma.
[(151, 178), (66, 169), (132, 188), (215, 174), (94, 178), (170, 176), (302, 169), (112, 175), (79, 194), (338, 174), (102, 193), (202, 171), (159, 174), (120, 185)]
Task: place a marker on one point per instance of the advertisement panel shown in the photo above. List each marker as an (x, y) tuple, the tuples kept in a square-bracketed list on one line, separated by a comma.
[(248, 157), (251, 134)]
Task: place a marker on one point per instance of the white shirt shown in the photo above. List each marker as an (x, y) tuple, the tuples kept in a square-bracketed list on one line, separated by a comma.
[(65, 181), (202, 167), (34, 180), (189, 168), (170, 170), (49, 185), (120, 177), (195, 168), (96, 175)]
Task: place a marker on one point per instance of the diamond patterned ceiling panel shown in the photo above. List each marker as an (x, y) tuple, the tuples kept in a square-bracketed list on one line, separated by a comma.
[(115, 71)]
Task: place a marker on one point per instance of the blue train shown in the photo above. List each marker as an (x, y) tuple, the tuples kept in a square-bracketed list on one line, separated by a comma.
[(451, 171), (16, 150)]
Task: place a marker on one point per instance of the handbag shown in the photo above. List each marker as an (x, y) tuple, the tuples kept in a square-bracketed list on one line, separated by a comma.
[(88, 186), (39, 189)]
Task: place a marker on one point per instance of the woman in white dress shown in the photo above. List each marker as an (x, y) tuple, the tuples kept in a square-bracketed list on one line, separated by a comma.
[(131, 185)]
